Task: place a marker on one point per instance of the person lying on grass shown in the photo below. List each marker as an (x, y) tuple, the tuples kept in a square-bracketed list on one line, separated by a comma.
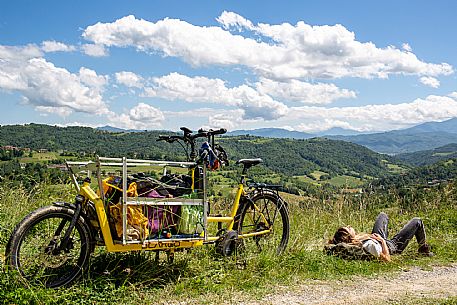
[(377, 244)]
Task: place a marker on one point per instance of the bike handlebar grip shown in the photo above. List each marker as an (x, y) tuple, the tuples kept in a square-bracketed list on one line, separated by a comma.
[(220, 131), (163, 138), (212, 132)]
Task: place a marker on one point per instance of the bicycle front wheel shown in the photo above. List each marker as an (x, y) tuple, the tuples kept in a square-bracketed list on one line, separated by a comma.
[(264, 212), (35, 250)]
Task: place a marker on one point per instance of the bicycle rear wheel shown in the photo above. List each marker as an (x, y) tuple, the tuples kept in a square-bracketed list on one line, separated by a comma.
[(34, 247), (264, 211)]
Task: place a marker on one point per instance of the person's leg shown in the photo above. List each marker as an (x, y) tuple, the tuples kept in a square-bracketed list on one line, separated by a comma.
[(415, 227), (380, 225)]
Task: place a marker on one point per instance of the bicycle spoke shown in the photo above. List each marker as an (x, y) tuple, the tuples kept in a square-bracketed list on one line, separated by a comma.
[(36, 252), (265, 213)]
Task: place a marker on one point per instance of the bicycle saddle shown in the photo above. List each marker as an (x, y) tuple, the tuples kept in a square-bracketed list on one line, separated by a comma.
[(249, 162), (186, 130)]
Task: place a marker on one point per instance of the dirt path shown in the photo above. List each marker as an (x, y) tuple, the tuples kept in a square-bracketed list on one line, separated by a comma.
[(407, 287)]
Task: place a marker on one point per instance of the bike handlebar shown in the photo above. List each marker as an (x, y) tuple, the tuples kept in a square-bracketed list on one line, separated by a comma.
[(189, 138)]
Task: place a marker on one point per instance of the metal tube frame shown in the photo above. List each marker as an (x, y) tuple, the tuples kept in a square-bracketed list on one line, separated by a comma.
[(160, 243), (127, 201)]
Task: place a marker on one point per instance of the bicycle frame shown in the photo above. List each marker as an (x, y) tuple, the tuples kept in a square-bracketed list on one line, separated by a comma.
[(158, 244), (230, 220)]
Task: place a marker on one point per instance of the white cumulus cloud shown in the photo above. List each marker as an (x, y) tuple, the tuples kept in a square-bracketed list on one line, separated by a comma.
[(323, 125), (142, 116), (255, 105), (49, 88), (90, 78), (430, 81), (307, 93), (94, 50), (226, 119), (230, 20), (406, 47), (375, 117), (281, 51), (61, 111), (129, 79), (12, 60), (55, 46)]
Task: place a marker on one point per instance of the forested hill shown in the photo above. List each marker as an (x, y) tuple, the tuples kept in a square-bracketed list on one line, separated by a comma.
[(435, 174), (286, 156), (299, 157), (427, 157), (86, 140)]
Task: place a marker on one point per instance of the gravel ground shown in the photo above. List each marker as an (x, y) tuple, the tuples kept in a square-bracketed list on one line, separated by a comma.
[(407, 287)]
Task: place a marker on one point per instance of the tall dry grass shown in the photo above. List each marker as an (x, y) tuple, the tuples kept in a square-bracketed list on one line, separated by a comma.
[(204, 277)]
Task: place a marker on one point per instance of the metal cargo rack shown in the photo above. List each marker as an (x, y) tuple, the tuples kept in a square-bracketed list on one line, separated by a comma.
[(125, 164)]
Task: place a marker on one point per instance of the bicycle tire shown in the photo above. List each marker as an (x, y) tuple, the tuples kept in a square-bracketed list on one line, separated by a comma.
[(249, 220), (31, 248)]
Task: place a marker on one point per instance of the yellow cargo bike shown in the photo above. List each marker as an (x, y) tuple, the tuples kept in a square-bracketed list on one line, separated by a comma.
[(146, 212)]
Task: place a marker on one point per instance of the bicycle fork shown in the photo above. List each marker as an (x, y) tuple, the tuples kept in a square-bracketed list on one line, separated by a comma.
[(65, 242)]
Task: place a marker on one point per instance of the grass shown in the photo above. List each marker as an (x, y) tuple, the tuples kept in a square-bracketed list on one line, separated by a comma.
[(204, 277), (338, 181), (318, 174), (346, 181), (306, 179), (429, 301), (40, 157), (443, 154), (395, 168)]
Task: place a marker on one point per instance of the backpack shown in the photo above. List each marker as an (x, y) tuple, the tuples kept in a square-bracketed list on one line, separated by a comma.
[(347, 251)]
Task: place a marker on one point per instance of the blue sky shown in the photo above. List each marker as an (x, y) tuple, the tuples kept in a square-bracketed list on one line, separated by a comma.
[(301, 65)]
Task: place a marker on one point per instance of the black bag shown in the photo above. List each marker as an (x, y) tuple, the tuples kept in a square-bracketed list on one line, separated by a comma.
[(146, 185), (177, 185)]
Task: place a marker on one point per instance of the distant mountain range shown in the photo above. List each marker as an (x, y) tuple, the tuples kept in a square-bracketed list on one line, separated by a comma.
[(449, 126), (291, 134), (262, 132), (426, 136), (272, 133), (115, 129)]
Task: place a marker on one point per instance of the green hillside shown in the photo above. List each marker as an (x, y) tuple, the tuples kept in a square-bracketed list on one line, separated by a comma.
[(303, 157), (424, 176), (285, 156), (428, 157)]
